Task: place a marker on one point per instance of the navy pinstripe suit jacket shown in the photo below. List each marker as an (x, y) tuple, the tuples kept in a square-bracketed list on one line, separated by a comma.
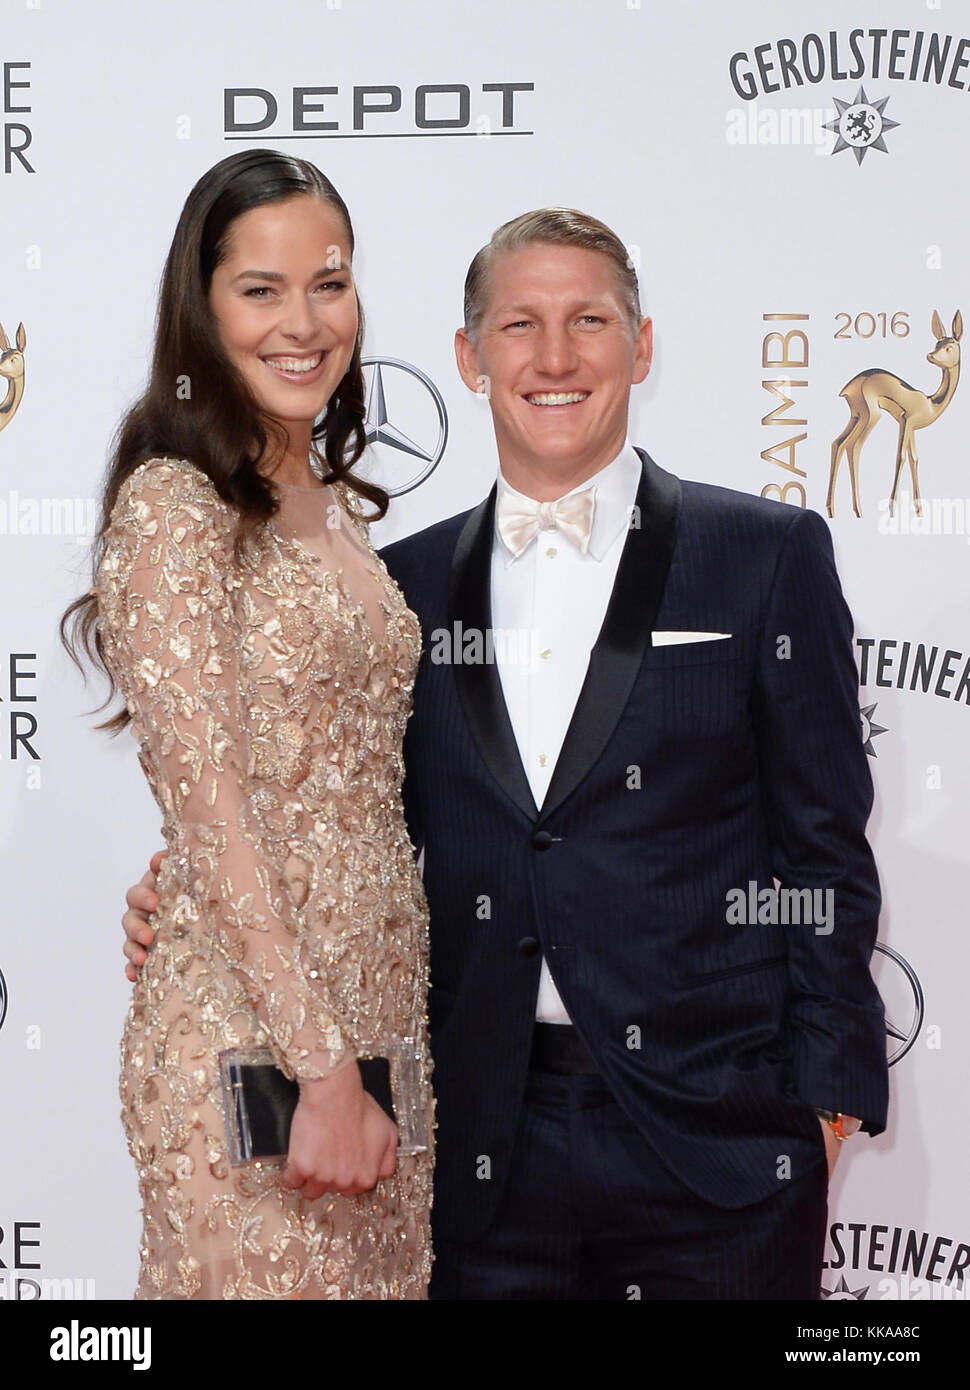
[(716, 1038)]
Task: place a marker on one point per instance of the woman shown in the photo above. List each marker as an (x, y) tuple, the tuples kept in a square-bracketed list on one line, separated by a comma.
[(266, 660)]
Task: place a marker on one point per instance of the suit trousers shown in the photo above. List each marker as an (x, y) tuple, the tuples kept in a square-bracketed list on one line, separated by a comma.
[(590, 1212)]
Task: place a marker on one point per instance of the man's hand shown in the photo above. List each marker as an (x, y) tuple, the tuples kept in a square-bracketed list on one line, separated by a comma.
[(832, 1144), (142, 901), (340, 1138), (832, 1141)]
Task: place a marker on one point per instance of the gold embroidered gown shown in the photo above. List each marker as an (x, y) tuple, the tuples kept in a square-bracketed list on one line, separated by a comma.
[(269, 696)]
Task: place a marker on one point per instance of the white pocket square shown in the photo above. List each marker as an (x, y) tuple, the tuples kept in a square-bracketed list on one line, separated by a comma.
[(676, 639)]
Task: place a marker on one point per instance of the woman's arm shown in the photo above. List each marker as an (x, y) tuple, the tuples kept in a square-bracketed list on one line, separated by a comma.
[(173, 643)]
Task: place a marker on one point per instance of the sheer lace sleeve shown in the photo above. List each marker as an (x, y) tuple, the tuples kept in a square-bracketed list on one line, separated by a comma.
[(170, 595)]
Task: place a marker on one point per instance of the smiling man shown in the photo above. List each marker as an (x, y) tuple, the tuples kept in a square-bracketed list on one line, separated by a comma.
[(637, 1095), (556, 341), (640, 1090)]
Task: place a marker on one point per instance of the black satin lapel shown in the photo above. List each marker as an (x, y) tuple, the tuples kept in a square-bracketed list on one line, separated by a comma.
[(625, 635), (479, 685)]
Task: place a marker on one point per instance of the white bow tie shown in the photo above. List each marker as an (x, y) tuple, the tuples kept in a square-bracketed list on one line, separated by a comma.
[(520, 519)]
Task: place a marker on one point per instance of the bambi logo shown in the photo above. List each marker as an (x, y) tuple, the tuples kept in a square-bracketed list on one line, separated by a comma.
[(12, 367), (874, 391)]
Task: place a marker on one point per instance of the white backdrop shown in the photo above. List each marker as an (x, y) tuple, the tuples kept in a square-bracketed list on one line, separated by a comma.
[(736, 210)]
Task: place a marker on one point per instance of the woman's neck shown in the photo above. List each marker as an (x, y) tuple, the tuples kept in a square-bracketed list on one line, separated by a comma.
[(293, 469)]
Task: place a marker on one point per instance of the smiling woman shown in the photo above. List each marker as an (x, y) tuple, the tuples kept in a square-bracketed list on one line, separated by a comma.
[(204, 399), (253, 634), (288, 318)]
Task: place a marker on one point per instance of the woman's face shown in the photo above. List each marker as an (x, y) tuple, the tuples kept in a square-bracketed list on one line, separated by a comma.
[(285, 305)]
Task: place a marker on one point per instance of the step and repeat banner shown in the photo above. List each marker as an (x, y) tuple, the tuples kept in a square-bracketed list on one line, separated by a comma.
[(789, 182)]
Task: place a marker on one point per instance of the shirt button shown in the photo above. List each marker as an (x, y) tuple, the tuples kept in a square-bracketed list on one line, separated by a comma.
[(552, 552), (542, 759), (529, 946), (546, 654)]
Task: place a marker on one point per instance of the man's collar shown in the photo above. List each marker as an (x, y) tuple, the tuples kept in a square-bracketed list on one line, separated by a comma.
[(616, 489)]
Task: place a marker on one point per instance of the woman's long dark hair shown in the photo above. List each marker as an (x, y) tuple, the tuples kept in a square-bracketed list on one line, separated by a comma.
[(219, 425)]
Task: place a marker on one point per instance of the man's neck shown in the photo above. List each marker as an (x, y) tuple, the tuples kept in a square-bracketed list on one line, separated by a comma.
[(544, 482)]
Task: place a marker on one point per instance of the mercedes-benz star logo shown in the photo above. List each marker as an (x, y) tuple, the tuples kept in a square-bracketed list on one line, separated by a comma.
[(399, 463), (902, 994)]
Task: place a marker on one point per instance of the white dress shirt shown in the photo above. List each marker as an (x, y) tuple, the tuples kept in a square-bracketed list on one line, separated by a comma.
[(548, 606)]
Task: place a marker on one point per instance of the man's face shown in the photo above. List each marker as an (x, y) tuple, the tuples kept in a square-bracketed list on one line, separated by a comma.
[(556, 353)]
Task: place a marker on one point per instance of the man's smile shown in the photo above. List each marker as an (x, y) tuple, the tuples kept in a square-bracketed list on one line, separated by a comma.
[(546, 398)]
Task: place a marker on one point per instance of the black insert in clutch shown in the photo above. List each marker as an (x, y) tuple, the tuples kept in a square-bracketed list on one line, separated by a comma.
[(260, 1101)]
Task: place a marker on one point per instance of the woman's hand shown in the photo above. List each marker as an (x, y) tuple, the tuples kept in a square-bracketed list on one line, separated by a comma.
[(340, 1139), (142, 901)]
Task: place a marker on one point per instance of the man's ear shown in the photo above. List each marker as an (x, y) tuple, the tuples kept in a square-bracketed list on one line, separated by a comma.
[(642, 350), (467, 359)]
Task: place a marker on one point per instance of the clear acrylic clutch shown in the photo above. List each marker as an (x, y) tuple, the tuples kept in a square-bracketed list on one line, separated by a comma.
[(259, 1099)]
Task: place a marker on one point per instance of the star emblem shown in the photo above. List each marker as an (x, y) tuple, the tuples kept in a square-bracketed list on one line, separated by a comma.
[(870, 729), (860, 125), (378, 427), (420, 403), (842, 1291)]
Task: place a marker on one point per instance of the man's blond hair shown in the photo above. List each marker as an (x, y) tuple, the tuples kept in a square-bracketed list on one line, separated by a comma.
[(553, 227)]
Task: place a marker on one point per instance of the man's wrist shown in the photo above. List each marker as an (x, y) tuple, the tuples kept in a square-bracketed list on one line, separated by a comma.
[(842, 1126)]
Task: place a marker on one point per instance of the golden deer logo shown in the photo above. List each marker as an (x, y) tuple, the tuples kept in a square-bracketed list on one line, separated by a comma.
[(870, 393), (12, 367)]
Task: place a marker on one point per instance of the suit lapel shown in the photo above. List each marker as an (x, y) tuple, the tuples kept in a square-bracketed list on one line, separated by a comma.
[(479, 684), (625, 635), (614, 661)]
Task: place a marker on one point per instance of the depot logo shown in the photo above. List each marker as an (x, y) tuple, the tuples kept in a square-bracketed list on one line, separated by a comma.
[(384, 111)]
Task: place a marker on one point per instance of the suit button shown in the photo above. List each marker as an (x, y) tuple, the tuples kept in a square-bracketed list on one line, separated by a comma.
[(541, 839), (529, 946)]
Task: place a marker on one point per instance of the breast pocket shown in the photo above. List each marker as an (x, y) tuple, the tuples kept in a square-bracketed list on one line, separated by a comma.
[(696, 690), (672, 655)]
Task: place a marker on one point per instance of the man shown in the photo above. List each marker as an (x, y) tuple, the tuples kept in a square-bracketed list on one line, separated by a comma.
[(644, 1052)]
